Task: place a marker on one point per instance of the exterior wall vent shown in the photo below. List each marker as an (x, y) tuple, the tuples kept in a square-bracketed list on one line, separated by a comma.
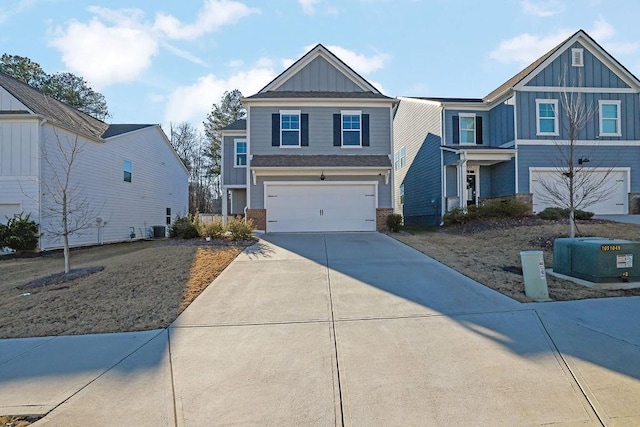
[(577, 57)]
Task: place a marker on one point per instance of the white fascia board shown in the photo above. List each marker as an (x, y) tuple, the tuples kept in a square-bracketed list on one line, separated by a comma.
[(308, 171), (572, 89), (21, 116), (593, 143), (321, 102), (502, 155), (233, 133)]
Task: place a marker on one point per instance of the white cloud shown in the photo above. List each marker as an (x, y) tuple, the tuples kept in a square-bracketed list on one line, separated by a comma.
[(214, 15), (359, 62), (193, 102), (235, 63), (526, 48), (602, 30), (543, 8), (309, 6), (105, 55), (184, 54)]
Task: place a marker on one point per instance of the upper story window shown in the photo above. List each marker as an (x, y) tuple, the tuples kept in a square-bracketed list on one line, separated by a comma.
[(467, 128), (127, 170), (290, 128), (399, 158), (547, 117), (351, 129), (240, 153), (577, 57), (609, 118)]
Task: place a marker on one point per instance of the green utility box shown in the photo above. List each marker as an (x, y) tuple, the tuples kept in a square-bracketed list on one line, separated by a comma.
[(597, 259)]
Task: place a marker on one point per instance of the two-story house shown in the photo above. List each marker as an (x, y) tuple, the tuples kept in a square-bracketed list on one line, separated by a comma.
[(124, 180), (456, 152), (314, 153)]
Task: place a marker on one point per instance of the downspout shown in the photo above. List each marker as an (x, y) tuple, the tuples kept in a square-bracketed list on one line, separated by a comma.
[(463, 180), (43, 121), (515, 139), (392, 172), (248, 170), (443, 174)]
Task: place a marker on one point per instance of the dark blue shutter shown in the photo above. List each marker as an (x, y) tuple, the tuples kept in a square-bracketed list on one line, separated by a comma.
[(275, 129), (304, 130), (456, 129), (478, 130), (365, 130), (337, 130)]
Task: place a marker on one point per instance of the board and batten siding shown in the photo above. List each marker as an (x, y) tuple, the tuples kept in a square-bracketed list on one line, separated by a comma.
[(486, 125), (319, 76), (321, 131), (501, 123), (232, 175), (384, 190), (502, 182), (158, 182), (593, 74), (416, 127)]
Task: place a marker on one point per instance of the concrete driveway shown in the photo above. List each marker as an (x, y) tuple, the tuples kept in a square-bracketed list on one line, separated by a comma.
[(356, 329)]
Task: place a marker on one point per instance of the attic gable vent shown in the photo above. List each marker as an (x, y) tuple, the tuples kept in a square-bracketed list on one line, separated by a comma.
[(577, 57)]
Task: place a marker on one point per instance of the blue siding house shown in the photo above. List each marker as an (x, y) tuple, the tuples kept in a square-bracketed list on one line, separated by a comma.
[(314, 153), (513, 143)]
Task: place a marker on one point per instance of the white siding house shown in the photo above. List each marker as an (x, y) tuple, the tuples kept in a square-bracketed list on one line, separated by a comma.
[(128, 176)]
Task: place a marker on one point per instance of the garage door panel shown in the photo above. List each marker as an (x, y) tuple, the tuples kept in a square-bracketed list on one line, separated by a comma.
[(614, 199), (326, 207)]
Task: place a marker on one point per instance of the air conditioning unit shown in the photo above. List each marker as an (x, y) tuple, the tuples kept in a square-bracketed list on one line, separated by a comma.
[(597, 259)]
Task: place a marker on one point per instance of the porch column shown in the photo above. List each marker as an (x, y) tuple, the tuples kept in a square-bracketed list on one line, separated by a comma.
[(462, 184), (224, 205)]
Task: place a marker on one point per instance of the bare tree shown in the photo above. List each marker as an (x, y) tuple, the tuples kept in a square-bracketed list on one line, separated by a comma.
[(67, 208), (573, 185)]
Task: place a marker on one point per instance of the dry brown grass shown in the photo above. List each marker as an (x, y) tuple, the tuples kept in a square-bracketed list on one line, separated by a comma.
[(482, 251), (143, 286)]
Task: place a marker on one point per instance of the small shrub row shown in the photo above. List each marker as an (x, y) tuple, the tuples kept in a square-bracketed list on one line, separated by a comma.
[(394, 222), (489, 209), (20, 233), (563, 213), (189, 227)]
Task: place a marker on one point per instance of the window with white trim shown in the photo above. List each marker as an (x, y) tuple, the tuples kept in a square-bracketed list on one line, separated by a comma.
[(290, 128), (399, 159), (240, 153), (467, 128), (577, 57), (401, 194), (609, 112), (351, 128), (547, 117), (126, 165)]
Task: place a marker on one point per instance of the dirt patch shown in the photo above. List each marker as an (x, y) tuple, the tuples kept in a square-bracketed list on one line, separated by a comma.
[(489, 252), (144, 285)]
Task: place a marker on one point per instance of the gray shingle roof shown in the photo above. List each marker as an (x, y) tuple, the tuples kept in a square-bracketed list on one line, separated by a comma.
[(316, 160), (114, 130), (240, 124), (317, 94), (55, 111)]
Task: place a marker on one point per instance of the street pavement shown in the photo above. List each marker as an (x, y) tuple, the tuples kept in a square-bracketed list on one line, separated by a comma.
[(351, 329)]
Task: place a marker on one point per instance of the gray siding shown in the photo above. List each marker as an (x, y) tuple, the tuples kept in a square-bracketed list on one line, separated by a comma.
[(416, 127), (502, 179), (232, 175), (450, 158), (452, 181), (593, 74), (486, 126), (629, 117), (384, 190), (599, 156), (501, 123), (319, 76), (321, 131)]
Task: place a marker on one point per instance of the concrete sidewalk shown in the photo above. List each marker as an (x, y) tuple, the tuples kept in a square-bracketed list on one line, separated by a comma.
[(341, 329)]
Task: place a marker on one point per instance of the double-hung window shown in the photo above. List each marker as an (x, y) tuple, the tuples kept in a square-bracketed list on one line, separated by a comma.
[(467, 128), (547, 117), (351, 129), (399, 158), (290, 128), (127, 170), (609, 118), (240, 153)]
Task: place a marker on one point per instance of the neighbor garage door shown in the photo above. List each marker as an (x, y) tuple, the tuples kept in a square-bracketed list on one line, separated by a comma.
[(616, 201), (294, 207)]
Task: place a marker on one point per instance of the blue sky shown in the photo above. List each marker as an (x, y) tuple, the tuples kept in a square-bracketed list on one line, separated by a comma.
[(165, 61)]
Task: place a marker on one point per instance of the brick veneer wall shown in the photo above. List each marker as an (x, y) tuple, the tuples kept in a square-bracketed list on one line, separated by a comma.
[(381, 218), (259, 217)]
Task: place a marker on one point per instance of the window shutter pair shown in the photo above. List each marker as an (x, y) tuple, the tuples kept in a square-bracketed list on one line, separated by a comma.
[(337, 130), (456, 129), (275, 130)]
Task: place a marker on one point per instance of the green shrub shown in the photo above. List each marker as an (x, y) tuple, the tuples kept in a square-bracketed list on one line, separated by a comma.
[(504, 209), (552, 214), (214, 229), (394, 222), (20, 233), (239, 229), (184, 227)]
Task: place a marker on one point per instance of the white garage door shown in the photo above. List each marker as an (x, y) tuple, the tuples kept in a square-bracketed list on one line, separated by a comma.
[(8, 210), (615, 188), (296, 207)]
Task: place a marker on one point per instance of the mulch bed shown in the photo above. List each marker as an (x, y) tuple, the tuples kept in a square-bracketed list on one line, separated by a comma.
[(60, 278)]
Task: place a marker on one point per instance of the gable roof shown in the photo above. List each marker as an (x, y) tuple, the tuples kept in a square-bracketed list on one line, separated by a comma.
[(240, 124), (539, 64), (55, 111), (119, 129), (319, 50)]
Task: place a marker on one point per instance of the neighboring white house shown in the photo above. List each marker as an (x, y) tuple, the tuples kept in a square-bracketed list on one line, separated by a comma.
[(128, 174)]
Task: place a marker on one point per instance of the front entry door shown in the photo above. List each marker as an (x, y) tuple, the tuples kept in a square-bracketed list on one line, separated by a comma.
[(472, 186)]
